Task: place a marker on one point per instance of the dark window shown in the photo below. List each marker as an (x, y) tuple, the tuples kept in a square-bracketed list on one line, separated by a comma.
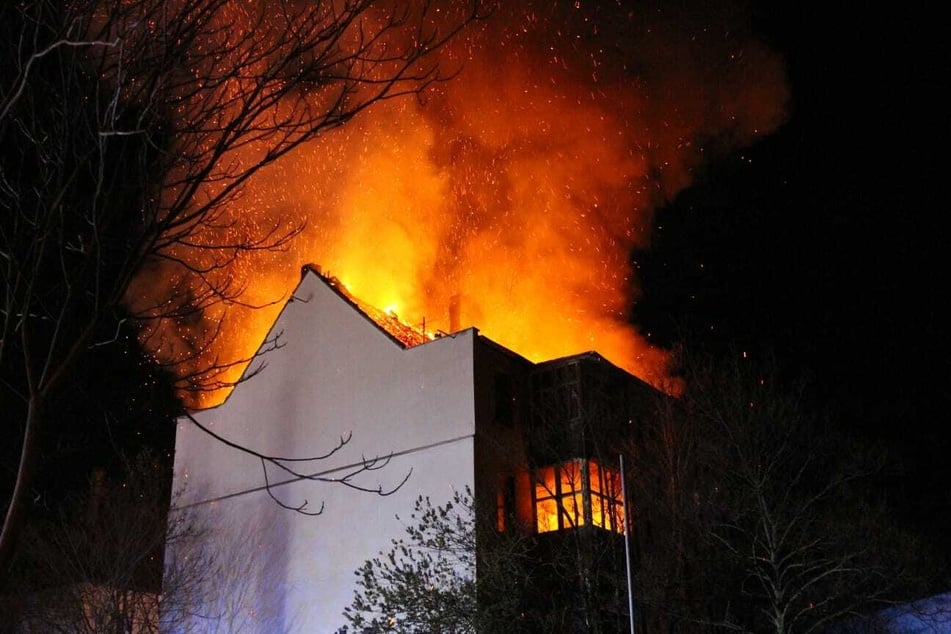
[(504, 396), (505, 503)]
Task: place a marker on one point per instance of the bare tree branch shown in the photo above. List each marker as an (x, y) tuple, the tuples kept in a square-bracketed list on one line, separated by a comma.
[(127, 131), (349, 472)]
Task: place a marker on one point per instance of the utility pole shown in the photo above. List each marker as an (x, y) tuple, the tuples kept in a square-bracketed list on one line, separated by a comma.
[(627, 546)]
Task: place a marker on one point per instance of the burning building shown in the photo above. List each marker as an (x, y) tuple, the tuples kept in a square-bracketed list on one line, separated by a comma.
[(415, 414)]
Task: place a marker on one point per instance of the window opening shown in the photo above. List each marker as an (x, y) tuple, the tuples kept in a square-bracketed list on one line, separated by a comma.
[(505, 503), (504, 396), (577, 493)]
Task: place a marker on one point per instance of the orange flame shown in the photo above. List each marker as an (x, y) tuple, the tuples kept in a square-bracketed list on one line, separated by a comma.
[(521, 185)]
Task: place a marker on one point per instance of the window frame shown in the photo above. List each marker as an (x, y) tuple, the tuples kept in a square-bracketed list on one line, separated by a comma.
[(565, 488)]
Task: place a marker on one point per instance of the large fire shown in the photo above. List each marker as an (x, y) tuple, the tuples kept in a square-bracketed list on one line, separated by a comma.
[(517, 189)]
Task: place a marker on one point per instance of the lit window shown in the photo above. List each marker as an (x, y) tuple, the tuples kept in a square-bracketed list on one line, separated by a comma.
[(607, 504), (577, 493)]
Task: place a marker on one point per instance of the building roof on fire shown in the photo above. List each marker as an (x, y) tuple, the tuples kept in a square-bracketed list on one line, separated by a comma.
[(390, 324)]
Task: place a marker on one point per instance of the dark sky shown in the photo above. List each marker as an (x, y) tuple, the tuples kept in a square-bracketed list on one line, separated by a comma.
[(824, 241)]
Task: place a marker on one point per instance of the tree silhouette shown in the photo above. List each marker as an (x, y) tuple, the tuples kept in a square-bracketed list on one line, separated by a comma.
[(755, 514), (428, 582), (127, 128)]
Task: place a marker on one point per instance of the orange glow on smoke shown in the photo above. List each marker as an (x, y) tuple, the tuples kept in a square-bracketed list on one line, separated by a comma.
[(520, 186)]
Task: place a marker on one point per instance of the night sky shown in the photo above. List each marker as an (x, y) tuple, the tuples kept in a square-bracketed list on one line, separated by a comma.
[(822, 243)]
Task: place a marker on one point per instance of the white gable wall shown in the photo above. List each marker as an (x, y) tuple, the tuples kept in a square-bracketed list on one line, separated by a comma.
[(336, 374)]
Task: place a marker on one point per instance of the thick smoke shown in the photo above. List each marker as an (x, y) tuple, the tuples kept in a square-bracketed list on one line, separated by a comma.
[(519, 187)]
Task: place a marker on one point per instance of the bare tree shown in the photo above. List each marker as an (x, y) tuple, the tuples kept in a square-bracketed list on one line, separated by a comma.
[(127, 128), (754, 515), (96, 565), (117, 560), (210, 578)]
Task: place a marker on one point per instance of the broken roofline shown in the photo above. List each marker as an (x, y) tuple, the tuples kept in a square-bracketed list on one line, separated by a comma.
[(406, 336), (403, 334)]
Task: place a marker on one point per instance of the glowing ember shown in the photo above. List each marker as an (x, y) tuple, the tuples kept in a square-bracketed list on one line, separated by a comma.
[(387, 319), (520, 186)]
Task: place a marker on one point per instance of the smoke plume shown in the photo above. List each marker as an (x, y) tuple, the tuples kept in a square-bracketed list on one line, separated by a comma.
[(519, 187)]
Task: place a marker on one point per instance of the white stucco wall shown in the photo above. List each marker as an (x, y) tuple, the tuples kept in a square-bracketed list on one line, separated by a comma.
[(336, 374)]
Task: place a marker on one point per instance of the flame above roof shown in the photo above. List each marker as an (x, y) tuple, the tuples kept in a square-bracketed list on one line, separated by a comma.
[(406, 335)]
